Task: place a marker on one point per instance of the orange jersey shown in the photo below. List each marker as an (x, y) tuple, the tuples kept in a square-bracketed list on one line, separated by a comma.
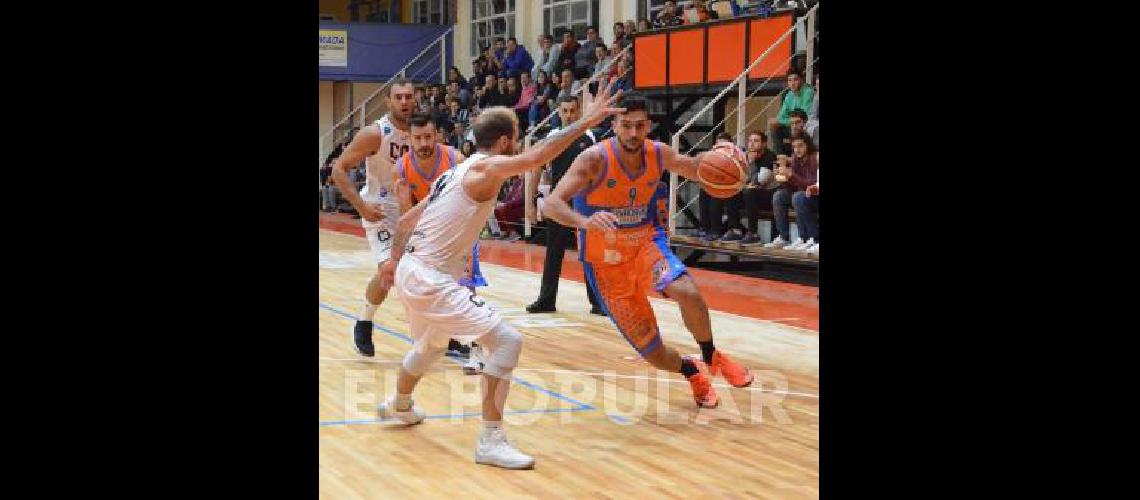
[(630, 192), (420, 177)]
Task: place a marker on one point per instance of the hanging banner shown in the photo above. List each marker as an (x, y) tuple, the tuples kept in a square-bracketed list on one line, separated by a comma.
[(334, 48)]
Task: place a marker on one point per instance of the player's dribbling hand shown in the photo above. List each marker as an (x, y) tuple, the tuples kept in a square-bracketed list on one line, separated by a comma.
[(601, 107), (602, 220), (371, 212), (387, 274)]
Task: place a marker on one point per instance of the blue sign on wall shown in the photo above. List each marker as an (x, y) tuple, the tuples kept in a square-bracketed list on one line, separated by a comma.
[(376, 52)]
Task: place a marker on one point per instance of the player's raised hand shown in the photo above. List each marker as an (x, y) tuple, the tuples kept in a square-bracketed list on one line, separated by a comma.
[(602, 220), (602, 105)]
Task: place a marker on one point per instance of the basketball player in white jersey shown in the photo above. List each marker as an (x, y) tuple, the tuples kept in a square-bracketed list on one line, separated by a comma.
[(380, 144), (432, 242)]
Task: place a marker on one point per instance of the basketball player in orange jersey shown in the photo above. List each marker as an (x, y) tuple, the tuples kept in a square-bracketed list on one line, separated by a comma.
[(431, 242), (418, 169), (380, 144), (615, 185)]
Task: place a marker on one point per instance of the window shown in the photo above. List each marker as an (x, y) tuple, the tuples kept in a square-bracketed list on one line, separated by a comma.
[(429, 11), (491, 19), (559, 15)]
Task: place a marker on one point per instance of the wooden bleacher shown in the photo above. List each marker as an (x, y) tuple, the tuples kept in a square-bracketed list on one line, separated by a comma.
[(735, 250)]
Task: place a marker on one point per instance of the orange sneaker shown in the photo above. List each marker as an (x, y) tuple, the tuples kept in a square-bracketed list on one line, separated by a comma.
[(733, 373), (703, 392)]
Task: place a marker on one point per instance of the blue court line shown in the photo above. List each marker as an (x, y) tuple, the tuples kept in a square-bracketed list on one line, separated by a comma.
[(529, 385), (457, 415)]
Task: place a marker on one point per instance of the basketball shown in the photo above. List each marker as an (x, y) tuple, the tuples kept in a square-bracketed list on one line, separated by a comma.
[(721, 171)]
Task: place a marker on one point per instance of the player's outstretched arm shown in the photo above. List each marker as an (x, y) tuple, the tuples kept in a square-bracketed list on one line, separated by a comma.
[(364, 144), (501, 167), (584, 170), (683, 165)]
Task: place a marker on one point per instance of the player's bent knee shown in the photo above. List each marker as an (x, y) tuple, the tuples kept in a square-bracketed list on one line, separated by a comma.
[(504, 355), (417, 363)]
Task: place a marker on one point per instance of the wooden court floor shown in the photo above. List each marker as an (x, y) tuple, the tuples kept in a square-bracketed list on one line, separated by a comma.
[(599, 422)]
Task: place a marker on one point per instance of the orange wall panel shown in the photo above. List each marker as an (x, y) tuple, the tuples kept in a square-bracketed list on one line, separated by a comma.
[(649, 52), (726, 51), (686, 57), (764, 33)]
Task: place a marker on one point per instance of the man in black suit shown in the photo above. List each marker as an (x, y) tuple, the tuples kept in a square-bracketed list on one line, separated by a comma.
[(557, 235)]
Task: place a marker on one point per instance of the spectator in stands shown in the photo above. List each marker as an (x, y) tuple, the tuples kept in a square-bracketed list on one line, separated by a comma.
[(704, 14), (798, 96), (569, 84), (603, 62), (527, 94), (758, 189), (812, 125), (630, 29), (328, 189), (620, 37), (668, 17), (796, 120), (643, 25), (468, 148), (796, 174), (568, 51), (516, 60), (547, 56), (478, 71), (458, 134), (491, 94), (543, 99), (505, 99), (509, 212), (457, 113), (585, 57), (442, 136)]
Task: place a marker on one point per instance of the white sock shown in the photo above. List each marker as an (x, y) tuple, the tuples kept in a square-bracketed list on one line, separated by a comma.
[(403, 402), (368, 311)]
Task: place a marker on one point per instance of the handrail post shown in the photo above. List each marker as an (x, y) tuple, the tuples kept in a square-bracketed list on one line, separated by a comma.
[(443, 59)]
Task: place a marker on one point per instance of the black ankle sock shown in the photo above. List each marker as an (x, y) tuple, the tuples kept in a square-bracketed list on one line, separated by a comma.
[(707, 350), (367, 324), (688, 369)]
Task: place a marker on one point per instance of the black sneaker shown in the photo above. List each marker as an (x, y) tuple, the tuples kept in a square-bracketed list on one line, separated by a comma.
[(457, 350), (362, 337), (539, 307)]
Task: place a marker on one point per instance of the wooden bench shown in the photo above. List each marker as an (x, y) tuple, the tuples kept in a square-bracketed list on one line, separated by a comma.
[(736, 250)]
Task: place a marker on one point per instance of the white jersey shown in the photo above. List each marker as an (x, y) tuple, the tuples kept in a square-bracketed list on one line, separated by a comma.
[(379, 177), (450, 223)]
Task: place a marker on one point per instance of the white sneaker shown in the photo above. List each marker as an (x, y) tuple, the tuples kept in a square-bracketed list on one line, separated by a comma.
[(474, 364), (413, 415), (777, 243), (813, 249), (493, 448), (799, 246)]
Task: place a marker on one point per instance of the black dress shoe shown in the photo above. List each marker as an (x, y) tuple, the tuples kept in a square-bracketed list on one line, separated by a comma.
[(597, 310), (539, 307)]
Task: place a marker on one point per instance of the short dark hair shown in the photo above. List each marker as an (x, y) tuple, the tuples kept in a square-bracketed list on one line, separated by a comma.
[(723, 136), (633, 101), (600, 45), (799, 113), (568, 98), (795, 72), (397, 81), (763, 136), (420, 120), (548, 38), (590, 27), (807, 140), (513, 39), (493, 123)]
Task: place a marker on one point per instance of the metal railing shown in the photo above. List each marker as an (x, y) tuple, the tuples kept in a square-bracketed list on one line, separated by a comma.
[(741, 82)]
